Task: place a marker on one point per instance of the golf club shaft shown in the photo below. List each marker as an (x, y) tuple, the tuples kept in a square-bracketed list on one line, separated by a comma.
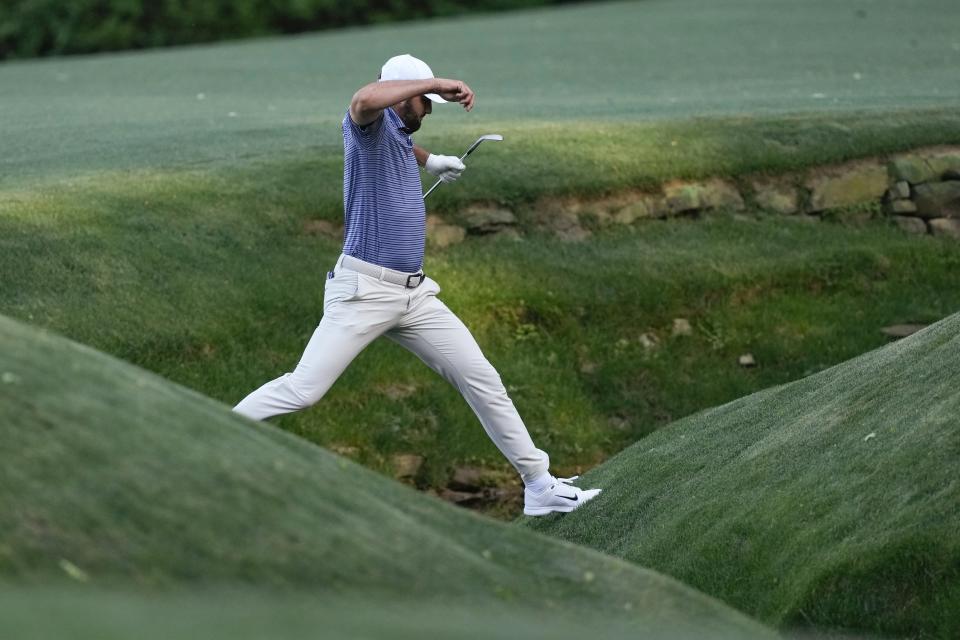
[(462, 158), (430, 190)]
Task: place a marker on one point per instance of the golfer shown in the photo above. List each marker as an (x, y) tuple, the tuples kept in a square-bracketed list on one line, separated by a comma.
[(378, 287)]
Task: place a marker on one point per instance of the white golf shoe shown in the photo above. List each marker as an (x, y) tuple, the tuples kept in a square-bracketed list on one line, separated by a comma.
[(560, 496)]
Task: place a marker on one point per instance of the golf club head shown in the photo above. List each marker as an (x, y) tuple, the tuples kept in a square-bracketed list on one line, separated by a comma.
[(496, 137)]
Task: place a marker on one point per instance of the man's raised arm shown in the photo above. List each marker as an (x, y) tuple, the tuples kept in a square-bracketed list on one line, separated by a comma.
[(370, 100)]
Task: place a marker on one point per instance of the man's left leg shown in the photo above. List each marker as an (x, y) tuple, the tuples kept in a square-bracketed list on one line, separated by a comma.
[(438, 337)]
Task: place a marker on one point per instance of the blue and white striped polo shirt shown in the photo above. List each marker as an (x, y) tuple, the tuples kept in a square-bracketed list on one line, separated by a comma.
[(384, 216)]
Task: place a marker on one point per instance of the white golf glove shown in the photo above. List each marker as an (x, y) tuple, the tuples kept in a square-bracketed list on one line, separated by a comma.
[(447, 168)]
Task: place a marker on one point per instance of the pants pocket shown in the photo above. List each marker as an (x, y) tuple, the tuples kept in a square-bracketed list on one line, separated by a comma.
[(432, 288), (342, 287)]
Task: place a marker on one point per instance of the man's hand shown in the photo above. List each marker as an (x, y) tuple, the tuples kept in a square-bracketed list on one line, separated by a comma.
[(447, 168), (455, 91)]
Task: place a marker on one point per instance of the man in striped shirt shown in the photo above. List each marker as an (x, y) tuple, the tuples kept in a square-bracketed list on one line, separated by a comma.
[(378, 288)]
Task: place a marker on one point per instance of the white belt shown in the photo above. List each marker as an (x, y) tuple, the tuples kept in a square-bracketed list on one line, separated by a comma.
[(382, 273)]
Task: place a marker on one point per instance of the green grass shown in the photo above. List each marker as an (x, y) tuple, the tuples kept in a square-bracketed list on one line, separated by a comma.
[(585, 73), (150, 223), (115, 479), (92, 614), (832, 501)]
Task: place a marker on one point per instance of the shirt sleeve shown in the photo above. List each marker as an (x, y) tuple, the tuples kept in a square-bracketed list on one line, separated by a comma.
[(366, 135)]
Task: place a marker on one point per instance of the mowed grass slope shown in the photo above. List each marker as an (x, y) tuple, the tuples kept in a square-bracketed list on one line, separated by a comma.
[(116, 478), (833, 501)]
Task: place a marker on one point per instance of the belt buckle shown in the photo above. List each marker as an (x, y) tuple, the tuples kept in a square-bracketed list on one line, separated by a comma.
[(420, 275)]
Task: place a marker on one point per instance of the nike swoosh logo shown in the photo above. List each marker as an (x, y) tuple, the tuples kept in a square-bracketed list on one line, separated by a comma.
[(574, 498)]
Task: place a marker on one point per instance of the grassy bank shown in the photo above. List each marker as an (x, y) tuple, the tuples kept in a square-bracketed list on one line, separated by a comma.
[(117, 479), (831, 502), (215, 284)]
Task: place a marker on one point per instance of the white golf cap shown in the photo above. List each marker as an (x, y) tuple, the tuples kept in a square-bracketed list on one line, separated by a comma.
[(406, 67)]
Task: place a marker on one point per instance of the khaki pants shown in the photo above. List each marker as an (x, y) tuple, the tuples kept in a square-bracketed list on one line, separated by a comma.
[(357, 309)]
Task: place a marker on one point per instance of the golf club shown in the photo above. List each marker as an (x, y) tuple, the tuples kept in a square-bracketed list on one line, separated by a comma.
[(490, 136)]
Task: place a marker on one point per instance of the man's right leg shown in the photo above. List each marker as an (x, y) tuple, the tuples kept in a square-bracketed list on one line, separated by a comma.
[(331, 348), (347, 327)]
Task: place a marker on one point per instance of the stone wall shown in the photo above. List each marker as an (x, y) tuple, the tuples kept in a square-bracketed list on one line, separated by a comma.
[(919, 191), (925, 194)]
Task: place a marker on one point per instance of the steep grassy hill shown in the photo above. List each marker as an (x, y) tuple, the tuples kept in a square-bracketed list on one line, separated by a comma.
[(831, 501), (114, 477)]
